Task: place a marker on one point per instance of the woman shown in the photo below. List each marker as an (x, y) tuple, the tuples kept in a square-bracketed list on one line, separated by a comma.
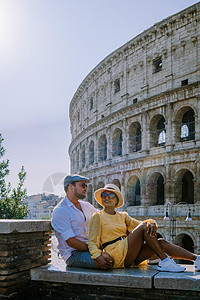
[(108, 233)]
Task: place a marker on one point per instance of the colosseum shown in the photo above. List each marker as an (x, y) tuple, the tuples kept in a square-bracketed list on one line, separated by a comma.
[(135, 122)]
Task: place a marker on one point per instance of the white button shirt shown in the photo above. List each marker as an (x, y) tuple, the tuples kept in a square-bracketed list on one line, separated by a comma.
[(68, 221)]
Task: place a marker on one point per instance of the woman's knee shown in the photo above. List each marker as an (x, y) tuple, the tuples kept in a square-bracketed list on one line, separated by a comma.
[(137, 234), (143, 225)]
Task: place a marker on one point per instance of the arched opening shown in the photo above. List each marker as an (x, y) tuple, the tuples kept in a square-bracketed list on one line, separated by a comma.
[(117, 183), (160, 190), (186, 242), (99, 186), (89, 194), (102, 148), (188, 188), (133, 191), (156, 189), (83, 156), (135, 137), (159, 236), (157, 131), (185, 124), (184, 186), (188, 126), (161, 132), (73, 163), (91, 153), (117, 142), (77, 160)]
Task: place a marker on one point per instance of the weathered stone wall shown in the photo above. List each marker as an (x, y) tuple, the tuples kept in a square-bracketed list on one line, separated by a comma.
[(23, 245), (59, 291), (142, 282)]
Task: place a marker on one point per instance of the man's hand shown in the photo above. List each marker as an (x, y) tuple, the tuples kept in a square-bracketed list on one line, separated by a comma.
[(151, 229), (104, 261)]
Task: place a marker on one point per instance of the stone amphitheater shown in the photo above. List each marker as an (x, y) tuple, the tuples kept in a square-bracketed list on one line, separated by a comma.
[(135, 122)]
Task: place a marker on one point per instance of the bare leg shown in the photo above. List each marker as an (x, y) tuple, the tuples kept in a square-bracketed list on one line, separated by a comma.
[(176, 251), (137, 250)]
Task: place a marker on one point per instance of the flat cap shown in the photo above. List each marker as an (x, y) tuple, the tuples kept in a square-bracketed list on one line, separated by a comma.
[(73, 178)]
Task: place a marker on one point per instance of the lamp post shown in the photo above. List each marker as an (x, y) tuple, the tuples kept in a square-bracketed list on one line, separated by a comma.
[(172, 213)]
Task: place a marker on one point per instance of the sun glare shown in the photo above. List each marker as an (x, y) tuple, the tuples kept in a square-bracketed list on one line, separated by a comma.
[(9, 28), (2, 24)]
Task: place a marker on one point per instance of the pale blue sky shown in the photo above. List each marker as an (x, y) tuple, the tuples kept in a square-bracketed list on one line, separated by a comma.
[(47, 47)]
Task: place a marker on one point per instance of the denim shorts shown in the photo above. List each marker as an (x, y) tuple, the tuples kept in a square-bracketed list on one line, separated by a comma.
[(81, 259)]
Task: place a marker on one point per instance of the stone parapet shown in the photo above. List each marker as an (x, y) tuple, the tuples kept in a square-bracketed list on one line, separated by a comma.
[(187, 281), (132, 277), (24, 245), (21, 226), (144, 282)]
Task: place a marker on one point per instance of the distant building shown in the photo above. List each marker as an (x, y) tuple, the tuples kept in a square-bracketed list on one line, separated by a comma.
[(41, 205), (135, 122)]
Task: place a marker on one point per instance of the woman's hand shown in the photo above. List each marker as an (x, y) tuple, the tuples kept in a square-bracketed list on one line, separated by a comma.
[(152, 229), (104, 261)]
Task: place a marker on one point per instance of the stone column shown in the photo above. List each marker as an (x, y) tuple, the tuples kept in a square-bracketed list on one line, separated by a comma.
[(87, 153), (96, 148), (123, 190), (24, 245), (197, 181), (197, 250), (142, 187), (145, 131), (125, 137), (125, 90), (197, 120), (109, 142), (169, 128)]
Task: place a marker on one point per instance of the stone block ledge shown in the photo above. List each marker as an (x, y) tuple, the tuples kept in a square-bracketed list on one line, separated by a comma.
[(133, 277), (144, 277), (24, 226)]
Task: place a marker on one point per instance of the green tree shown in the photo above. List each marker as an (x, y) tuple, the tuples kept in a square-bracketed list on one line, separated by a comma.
[(11, 199)]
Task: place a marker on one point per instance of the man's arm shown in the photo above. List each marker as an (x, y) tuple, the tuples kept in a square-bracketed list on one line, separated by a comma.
[(77, 244), (104, 261)]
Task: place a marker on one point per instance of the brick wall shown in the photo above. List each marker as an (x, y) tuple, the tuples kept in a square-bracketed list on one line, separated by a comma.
[(23, 245), (60, 291)]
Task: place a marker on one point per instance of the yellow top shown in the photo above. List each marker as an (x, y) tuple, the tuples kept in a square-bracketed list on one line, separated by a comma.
[(104, 228)]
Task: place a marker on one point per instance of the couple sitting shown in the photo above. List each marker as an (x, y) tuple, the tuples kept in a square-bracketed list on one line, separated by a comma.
[(108, 239)]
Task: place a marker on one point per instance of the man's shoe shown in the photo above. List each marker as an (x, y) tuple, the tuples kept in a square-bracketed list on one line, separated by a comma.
[(197, 263), (169, 265)]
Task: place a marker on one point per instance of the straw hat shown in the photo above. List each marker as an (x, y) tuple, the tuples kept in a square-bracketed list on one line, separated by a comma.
[(111, 188)]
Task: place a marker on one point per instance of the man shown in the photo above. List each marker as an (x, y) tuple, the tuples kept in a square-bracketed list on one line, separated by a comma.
[(70, 220)]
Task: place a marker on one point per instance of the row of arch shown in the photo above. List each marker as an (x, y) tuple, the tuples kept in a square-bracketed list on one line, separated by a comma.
[(153, 190), (185, 131)]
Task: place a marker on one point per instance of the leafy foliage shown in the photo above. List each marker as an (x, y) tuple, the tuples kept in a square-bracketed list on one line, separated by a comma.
[(11, 200)]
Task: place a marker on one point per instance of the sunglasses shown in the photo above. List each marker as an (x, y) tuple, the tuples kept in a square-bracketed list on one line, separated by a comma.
[(84, 185), (110, 196)]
